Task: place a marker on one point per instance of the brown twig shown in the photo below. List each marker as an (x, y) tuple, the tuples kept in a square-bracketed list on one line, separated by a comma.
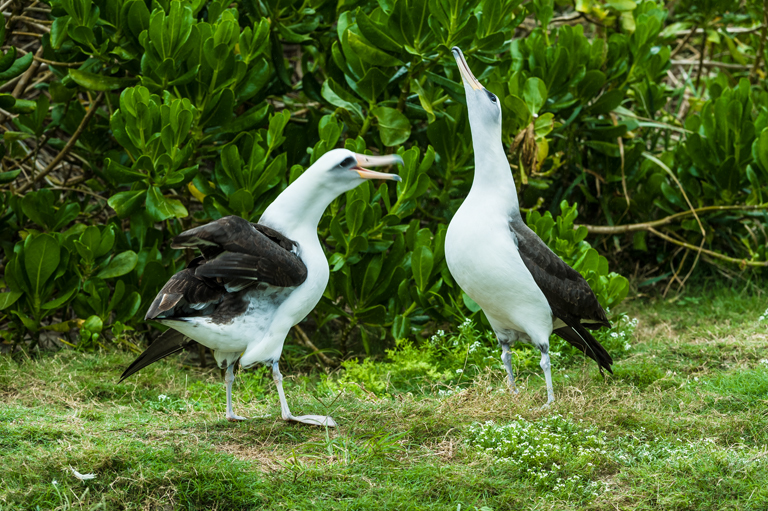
[(645, 226), (21, 86), (717, 255), (70, 144), (621, 153), (710, 63), (661, 164), (60, 64), (303, 339), (683, 42)]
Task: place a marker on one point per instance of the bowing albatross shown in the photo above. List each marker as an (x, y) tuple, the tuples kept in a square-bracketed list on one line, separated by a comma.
[(254, 282), (525, 290)]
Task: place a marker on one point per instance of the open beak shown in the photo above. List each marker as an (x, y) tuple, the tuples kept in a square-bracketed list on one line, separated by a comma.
[(364, 160), (466, 74)]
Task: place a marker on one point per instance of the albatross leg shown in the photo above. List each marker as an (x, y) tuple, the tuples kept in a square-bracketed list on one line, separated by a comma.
[(506, 359), (316, 420), (229, 378), (547, 366)]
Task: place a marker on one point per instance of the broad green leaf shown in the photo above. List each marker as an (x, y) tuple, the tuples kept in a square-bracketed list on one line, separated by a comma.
[(127, 203), (622, 5), (7, 177), (162, 208), (7, 59), (421, 266), (97, 82), (469, 302), (375, 34), (41, 258), (394, 127), (19, 66), (535, 94), (591, 84), (371, 54), (375, 315), (120, 265), (241, 201), (336, 96), (58, 302), (9, 298), (372, 84)]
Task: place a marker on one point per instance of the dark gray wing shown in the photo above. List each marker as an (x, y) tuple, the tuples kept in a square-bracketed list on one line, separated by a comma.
[(263, 254), (567, 292)]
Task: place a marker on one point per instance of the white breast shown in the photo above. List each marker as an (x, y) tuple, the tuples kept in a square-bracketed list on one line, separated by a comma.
[(482, 256)]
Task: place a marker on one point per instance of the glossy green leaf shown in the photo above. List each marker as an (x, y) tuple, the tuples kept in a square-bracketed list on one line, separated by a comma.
[(9, 298), (127, 203), (120, 265), (161, 208), (394, 127), (535, 94), (97, 82), (41, 258), (421, 265)]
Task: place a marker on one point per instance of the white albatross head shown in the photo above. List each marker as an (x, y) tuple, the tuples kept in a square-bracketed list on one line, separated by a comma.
[(483, 106), (337, 171)]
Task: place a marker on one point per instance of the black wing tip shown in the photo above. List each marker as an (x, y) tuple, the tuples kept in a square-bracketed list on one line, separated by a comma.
[(581, 338)]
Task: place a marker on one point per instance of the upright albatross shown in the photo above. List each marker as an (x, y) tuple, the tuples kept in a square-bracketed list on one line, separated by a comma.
[(254, 282), (525, 290)]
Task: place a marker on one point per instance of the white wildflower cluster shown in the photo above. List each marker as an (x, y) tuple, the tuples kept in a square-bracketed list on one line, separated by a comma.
[(764, 316), (437, 338), (622, 331), (475, 345), (445, 393), (162, 397), (546, 451)]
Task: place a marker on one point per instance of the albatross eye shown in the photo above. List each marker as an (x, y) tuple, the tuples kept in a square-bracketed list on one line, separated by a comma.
[(347, 162), (491, 96)]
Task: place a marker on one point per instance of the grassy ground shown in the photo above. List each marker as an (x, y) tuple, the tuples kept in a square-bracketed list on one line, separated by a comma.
[(683, 424)]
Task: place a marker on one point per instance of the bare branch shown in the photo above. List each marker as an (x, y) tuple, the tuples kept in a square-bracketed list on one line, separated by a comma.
[(70, 144)]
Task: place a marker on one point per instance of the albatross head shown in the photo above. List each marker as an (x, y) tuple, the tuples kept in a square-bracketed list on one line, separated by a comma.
[(483, 106), (340, 170), (301, 205)]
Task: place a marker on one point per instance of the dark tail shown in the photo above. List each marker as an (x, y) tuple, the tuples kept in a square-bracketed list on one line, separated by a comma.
[(168, 343), (581, 338)]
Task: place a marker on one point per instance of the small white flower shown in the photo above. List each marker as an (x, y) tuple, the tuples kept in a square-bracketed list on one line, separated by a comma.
[(162, 397), (459, 371), (695, 378), (764, 360), (54, 482)]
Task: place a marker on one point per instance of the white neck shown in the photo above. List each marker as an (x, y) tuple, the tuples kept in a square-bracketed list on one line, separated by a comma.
[(493, 177), (297, 211)]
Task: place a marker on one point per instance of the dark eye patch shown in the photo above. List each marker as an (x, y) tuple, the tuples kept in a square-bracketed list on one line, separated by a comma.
[(347, 162), (491, 97)]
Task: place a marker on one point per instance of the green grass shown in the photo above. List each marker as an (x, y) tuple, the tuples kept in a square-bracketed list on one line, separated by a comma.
[(681, 425)]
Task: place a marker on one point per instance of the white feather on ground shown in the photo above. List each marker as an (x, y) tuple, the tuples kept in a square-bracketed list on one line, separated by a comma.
[(82, 477)]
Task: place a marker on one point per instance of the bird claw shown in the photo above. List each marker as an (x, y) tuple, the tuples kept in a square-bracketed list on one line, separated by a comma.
[(235, 418)]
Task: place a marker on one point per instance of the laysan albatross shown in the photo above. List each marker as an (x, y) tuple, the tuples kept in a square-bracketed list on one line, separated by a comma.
[(254, 282), (525, 290)]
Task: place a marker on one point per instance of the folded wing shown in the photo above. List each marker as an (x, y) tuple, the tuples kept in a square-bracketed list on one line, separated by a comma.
[(236, 255), (568, 293)]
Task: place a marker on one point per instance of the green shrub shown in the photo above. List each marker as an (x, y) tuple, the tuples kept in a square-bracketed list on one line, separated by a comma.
[(159, 116)]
